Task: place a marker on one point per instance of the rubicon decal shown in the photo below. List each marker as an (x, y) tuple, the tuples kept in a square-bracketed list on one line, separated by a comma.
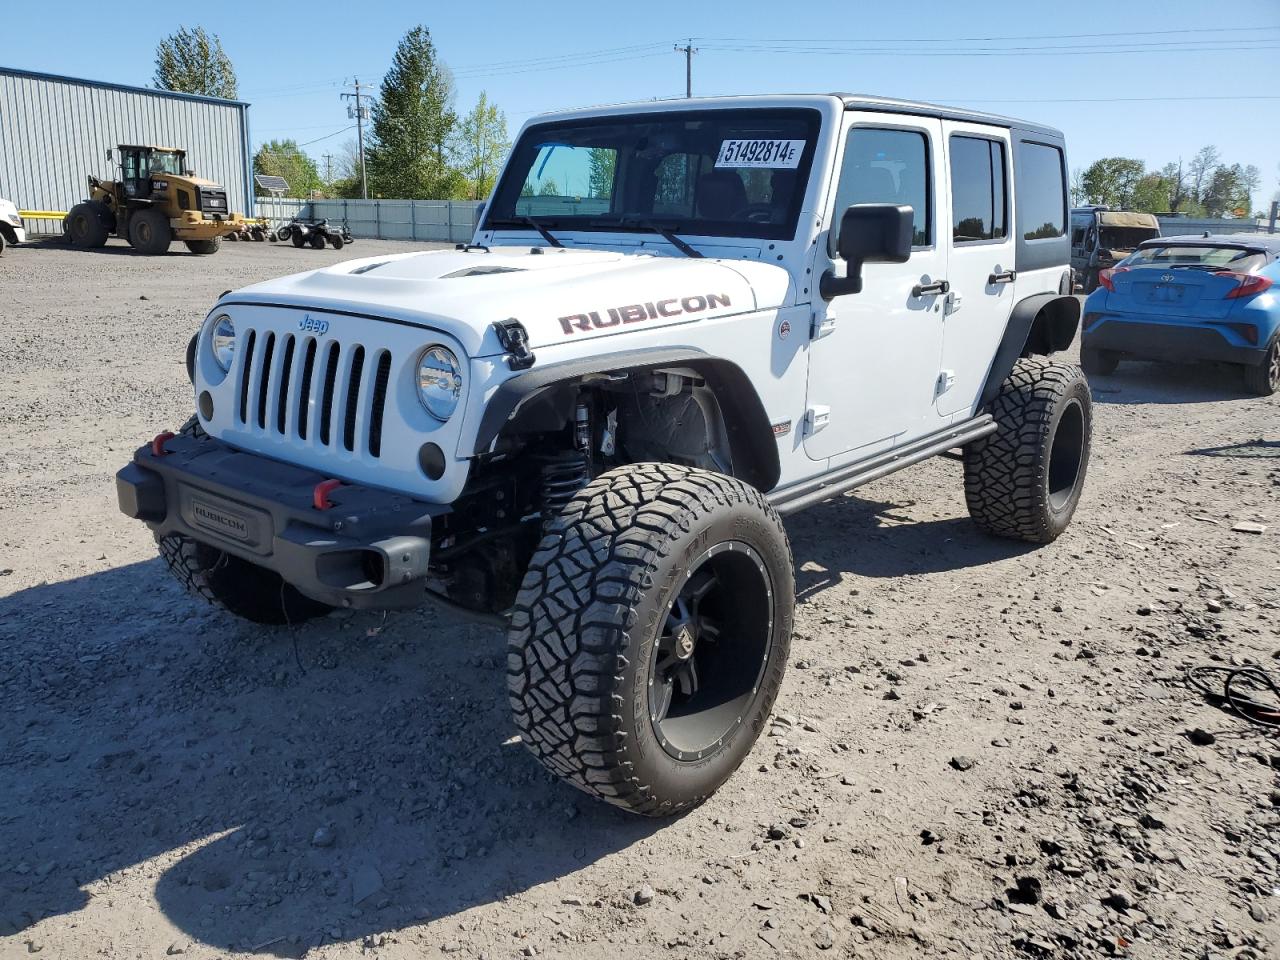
[(636, 312)]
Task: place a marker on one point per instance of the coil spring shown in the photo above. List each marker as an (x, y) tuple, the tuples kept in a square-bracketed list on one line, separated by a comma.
[(562, 477)]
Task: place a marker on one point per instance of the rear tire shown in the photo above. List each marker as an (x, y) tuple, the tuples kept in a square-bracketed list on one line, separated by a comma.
[(250, 592), (650, 635), (1098, 363), (336, 242), (1024, 481), (149, 232), (317, 241), (299, 238), (86, 225), (1263, 379), (204, 247)]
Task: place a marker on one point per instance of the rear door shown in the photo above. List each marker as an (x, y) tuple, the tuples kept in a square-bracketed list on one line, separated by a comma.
[(874, 360), (980, 261)]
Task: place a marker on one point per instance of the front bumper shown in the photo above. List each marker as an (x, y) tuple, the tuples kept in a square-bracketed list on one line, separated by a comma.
[(369, 549), (1153, 340)]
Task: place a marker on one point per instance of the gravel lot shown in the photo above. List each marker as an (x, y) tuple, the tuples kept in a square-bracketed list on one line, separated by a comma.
[(981, 749)]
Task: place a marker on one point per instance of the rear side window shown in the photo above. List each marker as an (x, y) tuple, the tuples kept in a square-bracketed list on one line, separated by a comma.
[(979, 196), (887, 166), (1042, 192)]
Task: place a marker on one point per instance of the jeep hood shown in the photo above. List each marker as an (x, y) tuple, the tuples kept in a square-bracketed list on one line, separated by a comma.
[(559, 295)]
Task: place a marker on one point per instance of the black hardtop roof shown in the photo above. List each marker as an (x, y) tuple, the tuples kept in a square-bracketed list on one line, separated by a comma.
[(861, 101), (1269, 242)]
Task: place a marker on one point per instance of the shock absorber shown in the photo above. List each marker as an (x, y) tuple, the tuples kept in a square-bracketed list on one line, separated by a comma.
[(565, 474)]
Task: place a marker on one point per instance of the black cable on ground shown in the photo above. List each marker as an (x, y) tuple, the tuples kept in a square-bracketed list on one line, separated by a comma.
[(1236, 689)]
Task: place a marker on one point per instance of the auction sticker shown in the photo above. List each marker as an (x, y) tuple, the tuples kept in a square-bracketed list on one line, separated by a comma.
[(772, 154)]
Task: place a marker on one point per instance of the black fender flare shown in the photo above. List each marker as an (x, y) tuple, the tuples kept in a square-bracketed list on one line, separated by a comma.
[(1041, 324), (751, 440)]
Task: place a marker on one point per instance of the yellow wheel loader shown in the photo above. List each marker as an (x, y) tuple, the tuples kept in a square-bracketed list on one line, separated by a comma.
[(154, 201)]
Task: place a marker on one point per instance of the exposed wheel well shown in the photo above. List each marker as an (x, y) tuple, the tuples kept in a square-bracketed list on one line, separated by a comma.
[(696, 410)]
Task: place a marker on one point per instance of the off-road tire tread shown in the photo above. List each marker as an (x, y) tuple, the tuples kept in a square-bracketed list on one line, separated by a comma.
[(204, 247), (1004, 473), (566, 652)]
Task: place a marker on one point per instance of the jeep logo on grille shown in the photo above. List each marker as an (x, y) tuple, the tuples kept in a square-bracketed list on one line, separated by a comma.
[(310, 324)]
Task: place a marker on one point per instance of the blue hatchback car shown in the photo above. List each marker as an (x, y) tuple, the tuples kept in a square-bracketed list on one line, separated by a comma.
[(1211, 297)]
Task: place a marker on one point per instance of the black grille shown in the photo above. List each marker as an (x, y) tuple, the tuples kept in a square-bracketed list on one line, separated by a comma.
[(213, 201), (324, 407)]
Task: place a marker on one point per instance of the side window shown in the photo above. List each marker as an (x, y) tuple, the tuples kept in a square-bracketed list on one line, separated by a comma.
[(1042, 192), (887, 166), (979, 196)]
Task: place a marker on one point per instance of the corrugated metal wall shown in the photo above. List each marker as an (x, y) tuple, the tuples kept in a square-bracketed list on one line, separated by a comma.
[(55, 131)]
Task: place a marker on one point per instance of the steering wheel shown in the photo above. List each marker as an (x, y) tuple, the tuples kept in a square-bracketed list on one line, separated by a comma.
[(757, 213)]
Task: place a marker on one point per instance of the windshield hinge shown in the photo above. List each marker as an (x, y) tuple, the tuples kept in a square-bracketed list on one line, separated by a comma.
[(514, 339)]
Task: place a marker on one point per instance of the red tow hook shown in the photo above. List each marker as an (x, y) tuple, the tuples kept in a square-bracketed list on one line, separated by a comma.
[(320, 495), (157, 445)]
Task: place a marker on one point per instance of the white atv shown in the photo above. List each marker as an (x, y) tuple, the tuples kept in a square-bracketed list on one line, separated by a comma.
[(675, 322), (11, 228)]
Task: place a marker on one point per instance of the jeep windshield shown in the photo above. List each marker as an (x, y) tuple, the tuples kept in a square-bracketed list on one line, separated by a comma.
[(718, 173)]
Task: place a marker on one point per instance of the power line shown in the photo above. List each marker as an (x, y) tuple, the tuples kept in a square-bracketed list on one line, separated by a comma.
[(327, 136), (983, 52), (1052, 36)]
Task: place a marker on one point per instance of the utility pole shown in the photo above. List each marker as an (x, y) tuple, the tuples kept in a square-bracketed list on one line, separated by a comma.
[(358, 97), (688, 50), (328, 168)]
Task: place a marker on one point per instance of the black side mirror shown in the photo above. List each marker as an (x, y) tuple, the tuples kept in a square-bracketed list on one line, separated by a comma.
[(869, 233)]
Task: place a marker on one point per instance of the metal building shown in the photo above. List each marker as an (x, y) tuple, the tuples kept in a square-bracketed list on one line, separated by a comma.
[(55, 131)]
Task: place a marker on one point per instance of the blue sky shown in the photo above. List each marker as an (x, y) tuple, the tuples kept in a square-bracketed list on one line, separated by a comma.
[(1217, 77)]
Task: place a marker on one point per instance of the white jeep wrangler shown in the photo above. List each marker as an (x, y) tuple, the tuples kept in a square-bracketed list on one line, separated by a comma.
[(675, 322)]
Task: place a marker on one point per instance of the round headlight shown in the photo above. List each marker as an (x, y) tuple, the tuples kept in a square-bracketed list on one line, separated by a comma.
[(439, 382), (223, 341)]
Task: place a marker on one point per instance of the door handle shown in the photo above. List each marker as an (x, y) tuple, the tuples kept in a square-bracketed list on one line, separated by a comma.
[(1007, 277), (929, 289)]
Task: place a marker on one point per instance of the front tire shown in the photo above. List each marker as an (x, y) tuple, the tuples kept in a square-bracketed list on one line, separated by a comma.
[(149, 232), (205, 247), (299, 238), (1024, 481), (1264, 378), (317, 241), (650, 635), (250, 592)]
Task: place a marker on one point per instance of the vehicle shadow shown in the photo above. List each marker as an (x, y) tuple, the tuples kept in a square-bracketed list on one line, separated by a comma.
[(287, 788), (872, 538), (1137, 382), (1247, 450)]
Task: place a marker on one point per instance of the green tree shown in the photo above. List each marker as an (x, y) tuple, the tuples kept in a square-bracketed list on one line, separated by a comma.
[(549, 188), (1112, 181), (1177, 181), (1228, 190), (481, 145), (193, 61), (1200, 172), (413, 125), (602, 166), (282, 158), (1153, 194)]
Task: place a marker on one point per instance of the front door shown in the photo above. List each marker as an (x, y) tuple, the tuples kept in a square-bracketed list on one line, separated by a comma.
[(980, 265), (873, 364)]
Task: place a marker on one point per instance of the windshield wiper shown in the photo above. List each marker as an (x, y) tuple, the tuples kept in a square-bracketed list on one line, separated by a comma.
[(665, 232), (528, 222)]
